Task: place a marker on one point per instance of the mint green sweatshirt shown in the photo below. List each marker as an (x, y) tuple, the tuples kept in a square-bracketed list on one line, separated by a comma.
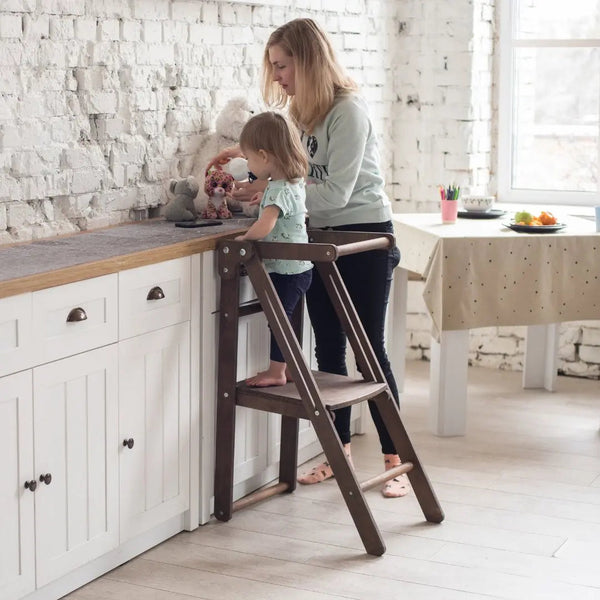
[(344, 175)]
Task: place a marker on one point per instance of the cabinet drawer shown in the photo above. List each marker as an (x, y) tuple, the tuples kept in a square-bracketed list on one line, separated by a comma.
[(154, 296), (16, 340), (76, 317)]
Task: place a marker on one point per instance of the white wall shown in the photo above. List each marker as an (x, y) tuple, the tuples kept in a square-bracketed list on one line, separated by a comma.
[(102, 102)]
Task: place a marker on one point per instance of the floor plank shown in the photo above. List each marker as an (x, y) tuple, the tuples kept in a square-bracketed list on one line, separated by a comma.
[(521, 493)]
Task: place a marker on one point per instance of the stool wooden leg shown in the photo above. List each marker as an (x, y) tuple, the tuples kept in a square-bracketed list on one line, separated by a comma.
[(226, 391), (224, 457), (288, 453), (349, 486), (420, 482)]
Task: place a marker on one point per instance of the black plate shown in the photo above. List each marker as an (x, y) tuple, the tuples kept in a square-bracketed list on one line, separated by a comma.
[(535, 228), (198, 223), (493, 213)]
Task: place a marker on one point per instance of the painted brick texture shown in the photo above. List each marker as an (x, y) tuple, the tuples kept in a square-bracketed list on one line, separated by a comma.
[(102, 102)]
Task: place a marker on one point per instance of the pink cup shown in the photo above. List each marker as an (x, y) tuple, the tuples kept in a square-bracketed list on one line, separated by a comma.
[(449, 211)]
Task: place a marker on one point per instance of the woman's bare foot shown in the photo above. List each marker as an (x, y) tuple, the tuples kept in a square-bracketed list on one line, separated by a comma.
[(322, 471), (399, 486), (274, 375)]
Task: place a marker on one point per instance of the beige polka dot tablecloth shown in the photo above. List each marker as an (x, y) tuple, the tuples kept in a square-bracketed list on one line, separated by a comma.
[(479, 273)]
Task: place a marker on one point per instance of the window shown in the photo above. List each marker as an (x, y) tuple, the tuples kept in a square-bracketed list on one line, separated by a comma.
[(549, 102)]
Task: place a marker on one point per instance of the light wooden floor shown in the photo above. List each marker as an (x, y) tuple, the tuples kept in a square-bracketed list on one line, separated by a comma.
[(521, 492)]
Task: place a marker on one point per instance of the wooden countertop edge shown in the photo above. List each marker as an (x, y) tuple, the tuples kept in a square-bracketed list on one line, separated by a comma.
[(106, 266)]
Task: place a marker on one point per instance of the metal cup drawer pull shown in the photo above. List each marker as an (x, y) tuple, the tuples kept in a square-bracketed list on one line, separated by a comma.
[(155, 293), (76, 314)]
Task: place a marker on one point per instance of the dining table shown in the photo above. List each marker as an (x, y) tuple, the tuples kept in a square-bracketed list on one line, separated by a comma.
[(479, 272)]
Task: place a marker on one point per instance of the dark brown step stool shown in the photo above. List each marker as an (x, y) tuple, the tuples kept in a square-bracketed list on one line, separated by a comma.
[(313, 395)]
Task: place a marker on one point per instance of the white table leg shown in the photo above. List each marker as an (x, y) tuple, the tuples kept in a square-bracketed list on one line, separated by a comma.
[(448, 383), (541, 357), (396, 326)]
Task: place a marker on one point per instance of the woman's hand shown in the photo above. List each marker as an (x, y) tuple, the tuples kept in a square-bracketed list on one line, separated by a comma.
[(256, 199), (245, 191), (224, 157)]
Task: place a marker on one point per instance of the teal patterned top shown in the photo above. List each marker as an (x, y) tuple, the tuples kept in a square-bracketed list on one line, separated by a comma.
[(290, 226)]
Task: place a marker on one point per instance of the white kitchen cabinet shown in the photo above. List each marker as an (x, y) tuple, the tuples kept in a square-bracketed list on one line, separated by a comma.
[(17, 552), (73, 387), (76, 461), (154, 426)]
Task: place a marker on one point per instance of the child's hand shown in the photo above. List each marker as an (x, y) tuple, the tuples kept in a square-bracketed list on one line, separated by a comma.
[(256, 199), (240, 238)]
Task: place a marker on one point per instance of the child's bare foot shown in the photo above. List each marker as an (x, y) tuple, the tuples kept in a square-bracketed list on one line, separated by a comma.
[(399, 486), (274, 375), (265, 379)]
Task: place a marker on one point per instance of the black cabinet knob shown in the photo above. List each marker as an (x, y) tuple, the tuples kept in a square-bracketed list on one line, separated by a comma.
[(47, 478), (31, 485), (129, 443)]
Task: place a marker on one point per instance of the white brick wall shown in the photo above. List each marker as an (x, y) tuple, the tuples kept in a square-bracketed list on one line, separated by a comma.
[(101, 102), (110, 99)]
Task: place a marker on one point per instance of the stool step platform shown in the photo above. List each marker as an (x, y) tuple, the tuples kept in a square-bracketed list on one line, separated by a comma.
[(336, 391)]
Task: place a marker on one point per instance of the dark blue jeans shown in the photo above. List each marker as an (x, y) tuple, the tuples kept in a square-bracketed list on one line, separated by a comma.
[(289, 288), (367, 277)]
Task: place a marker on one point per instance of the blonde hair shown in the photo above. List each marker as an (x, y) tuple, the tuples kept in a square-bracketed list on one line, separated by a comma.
[(319, 78), (271, 132)]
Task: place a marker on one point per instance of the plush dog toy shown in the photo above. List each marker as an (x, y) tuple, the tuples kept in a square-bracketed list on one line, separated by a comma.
[(218, 186), (181, 205)]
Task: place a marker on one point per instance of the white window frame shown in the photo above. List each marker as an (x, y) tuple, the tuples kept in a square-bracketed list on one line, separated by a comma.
[(507, 44)]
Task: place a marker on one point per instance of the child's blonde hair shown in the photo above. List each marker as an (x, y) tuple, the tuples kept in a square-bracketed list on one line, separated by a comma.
[(319, 77), (271, 132)]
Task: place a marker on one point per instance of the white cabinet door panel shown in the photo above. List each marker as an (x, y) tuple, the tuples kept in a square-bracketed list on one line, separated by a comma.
[(251, 425), (17, 566), (154, 384), (75, 424)]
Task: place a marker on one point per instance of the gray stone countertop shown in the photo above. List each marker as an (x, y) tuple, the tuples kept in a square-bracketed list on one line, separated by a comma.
[(30, 266)]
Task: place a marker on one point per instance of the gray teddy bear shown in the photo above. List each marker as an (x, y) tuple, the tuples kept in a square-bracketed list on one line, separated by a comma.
[(181, 206)]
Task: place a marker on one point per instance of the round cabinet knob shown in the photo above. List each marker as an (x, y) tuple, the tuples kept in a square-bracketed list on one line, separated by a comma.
[(76, 314), (47, 478), (31, 485), (155, 294), (129, 443)]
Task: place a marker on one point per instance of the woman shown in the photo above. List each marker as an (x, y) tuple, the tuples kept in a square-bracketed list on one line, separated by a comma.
[(345, 192)]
